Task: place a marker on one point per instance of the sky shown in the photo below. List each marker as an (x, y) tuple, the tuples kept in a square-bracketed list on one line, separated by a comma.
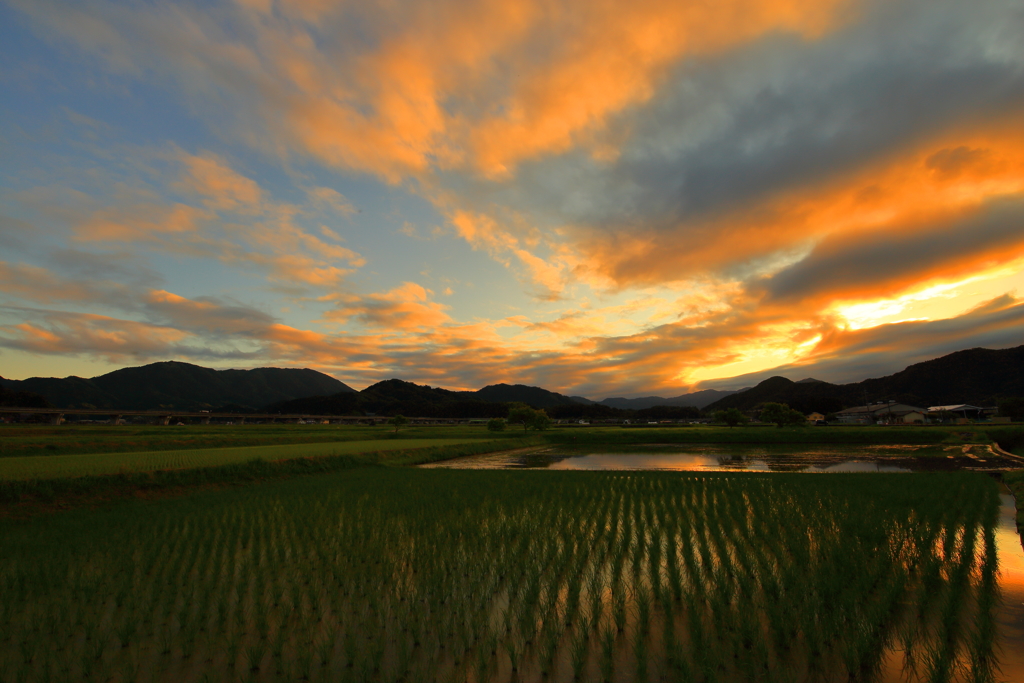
[(599, 198)]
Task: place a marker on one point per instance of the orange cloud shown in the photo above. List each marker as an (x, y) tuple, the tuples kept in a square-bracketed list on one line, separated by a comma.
[(39, 284), (79, 333), (406, 307), (481, 230), (148, 221), (332, 198), (599, 58), (231, 219), (430, 84), (616, 55), (207, 317), (222, 188), (915, 190)]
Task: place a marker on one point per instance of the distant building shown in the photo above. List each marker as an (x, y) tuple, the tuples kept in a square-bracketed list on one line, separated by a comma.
[(961, 411), (856, 415), (878, 412), (814, 417)]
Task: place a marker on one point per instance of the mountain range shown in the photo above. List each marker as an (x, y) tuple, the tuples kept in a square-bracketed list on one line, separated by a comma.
[(979, 377), (394, 396), (180, 385), (976, 376)]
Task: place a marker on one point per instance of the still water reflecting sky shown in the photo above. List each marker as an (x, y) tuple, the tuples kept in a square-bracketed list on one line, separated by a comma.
[(1011, 581), (703, 463), (733, 458)]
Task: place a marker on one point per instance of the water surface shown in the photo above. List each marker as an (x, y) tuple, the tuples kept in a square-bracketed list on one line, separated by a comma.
[(1010, 616), (741, 457)]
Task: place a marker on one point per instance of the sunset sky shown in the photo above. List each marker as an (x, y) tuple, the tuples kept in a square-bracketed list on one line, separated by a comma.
[(600, 198)]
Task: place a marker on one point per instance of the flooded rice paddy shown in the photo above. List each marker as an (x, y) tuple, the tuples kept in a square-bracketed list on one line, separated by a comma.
[(1008, 613), (519, 576), (745, 458)]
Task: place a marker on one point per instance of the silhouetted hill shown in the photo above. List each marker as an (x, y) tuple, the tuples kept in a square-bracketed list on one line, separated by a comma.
[(976, 376), (533, 396), (64, 393), (395, 396), (392, 390), (181, 385), (803, 396), (698, 399), (21, 399)]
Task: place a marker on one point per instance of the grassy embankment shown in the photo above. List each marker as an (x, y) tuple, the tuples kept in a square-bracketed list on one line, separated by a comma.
[(99, 464), (92, 478), (61, 465), (400, 574), (70, 439)]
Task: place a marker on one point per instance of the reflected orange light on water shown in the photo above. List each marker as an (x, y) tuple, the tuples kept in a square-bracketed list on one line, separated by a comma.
[(1010, 617)]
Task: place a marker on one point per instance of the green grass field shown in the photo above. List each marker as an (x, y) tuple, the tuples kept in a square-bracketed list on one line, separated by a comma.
[(97, 464), (70, 439), (396, 574)]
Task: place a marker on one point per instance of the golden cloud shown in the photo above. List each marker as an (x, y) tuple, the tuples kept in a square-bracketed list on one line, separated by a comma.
[(221, 187), (406, 307), (912, 191)]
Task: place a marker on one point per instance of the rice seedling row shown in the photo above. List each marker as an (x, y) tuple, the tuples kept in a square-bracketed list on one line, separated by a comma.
[(400, 575)]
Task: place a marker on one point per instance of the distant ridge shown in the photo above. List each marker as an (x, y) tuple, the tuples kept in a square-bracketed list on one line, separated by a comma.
[(21, 399), (975, 376), (534, 396), (395, 396), (180, 385)]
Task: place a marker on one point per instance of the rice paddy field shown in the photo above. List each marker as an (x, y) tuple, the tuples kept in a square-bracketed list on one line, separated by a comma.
[(98, 464), (396, 574)]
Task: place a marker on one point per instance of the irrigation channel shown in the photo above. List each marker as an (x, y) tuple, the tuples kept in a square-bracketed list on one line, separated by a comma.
[(1009, 613)]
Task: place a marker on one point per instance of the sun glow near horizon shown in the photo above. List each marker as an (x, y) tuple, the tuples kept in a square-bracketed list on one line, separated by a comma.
[(935, 302)]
